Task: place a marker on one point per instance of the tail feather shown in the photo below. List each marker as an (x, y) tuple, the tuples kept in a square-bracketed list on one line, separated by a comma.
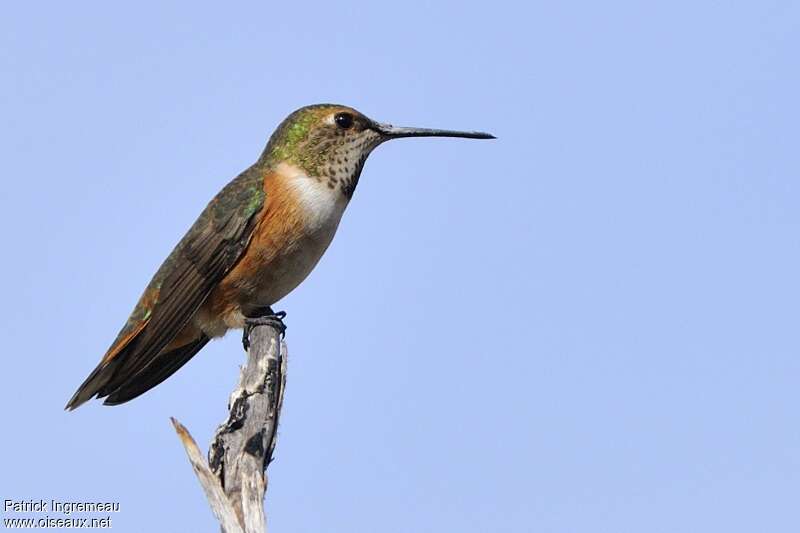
[(95, 382), (111, 380), (158, 370)]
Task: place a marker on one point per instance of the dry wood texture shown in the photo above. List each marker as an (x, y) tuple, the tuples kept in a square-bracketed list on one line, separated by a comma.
[(234, 478)]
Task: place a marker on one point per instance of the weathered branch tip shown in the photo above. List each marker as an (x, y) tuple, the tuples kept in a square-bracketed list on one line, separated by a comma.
[(234, 478)]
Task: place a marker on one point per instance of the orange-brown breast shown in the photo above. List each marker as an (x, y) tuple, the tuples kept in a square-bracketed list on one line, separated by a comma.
[(297, 223)]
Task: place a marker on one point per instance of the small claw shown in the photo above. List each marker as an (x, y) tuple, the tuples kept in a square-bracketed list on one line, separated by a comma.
[(246, 337), (271, 319)]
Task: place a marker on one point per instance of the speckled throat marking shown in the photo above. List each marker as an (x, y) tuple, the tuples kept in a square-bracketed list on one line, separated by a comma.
[(343, 160), (332, 155)]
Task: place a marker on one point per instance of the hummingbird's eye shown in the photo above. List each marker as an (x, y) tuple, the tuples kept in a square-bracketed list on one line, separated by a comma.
[(344, 120)]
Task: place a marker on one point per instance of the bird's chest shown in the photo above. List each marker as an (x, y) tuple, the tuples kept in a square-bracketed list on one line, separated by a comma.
[(301, 218)]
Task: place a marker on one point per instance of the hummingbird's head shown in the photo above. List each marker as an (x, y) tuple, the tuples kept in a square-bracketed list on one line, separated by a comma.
[(332, 142)]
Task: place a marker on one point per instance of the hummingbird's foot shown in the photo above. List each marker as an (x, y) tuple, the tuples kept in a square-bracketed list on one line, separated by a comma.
[(268, 318)]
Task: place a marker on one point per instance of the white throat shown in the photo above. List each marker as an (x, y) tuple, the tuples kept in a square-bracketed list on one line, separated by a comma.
[(322, 204)]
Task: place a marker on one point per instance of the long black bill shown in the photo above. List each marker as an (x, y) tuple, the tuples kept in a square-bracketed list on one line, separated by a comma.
[(394, 132)]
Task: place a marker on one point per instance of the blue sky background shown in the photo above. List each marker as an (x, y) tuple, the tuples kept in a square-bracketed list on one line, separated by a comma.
[(590, 324)]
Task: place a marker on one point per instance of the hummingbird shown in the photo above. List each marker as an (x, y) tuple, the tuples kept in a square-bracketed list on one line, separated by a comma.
[(257, 240)]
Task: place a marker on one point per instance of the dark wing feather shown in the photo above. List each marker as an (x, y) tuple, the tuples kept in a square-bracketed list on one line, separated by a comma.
[(207, 252), (162, 367)]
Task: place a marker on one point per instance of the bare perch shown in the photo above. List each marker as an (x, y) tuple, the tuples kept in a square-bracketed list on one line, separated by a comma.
[(234, 479)]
